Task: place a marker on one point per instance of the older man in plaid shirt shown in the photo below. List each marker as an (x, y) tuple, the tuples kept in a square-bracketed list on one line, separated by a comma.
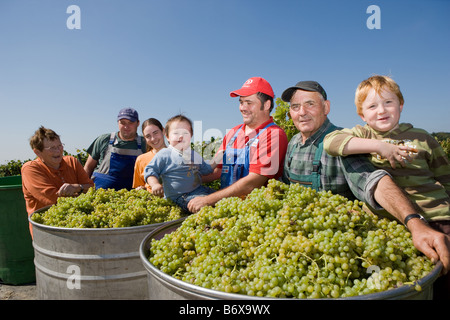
[(352, 176)]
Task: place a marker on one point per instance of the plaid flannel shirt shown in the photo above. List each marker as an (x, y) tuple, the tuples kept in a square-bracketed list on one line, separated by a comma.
[(352, 176)]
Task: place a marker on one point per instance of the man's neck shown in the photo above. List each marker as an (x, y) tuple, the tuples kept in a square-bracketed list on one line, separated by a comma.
[(308, 135), (249, 128), (128, 139)]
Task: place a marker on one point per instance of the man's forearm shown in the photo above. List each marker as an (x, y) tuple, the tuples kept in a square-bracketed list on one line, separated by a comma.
[(90, 165), (434, 244), (213, 176), (242, 187), (393, 199)]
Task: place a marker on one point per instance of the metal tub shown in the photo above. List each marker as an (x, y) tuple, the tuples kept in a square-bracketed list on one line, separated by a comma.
[(87, 264), (162, 286)]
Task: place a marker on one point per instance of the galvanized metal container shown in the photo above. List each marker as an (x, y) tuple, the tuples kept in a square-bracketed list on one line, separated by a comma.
[(87, 264), (164, 287)]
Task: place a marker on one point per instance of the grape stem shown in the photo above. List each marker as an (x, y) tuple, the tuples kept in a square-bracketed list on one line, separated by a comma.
[(311, 259)]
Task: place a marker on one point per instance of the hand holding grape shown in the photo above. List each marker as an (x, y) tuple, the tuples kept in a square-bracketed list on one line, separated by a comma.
[(158, 190), (396, 153), (68, 190)]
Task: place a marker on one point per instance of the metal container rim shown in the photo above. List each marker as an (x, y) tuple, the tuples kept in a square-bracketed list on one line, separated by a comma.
[(144, 251), (106, 230)]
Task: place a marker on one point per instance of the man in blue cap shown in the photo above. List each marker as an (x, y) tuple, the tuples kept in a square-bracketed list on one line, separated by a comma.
[(112, 155)]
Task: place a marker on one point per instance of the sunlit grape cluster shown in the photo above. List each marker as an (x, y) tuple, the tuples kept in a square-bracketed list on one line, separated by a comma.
[(108, 208), (290, 241)]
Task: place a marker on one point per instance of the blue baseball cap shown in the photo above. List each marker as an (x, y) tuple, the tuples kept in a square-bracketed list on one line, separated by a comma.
[(128, 113)]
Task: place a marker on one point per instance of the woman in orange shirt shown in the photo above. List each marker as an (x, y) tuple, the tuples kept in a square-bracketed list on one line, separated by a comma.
[(152, 130), (51, 175)]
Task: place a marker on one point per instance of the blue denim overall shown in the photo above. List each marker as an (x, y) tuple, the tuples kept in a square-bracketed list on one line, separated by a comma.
[(117, 168), (236, 162)]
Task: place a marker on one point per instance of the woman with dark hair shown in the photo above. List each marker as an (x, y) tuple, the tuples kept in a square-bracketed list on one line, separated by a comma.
[(152, 130)]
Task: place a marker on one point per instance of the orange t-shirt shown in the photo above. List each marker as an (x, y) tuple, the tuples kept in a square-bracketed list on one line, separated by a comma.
[(40, 183), (141, 162)]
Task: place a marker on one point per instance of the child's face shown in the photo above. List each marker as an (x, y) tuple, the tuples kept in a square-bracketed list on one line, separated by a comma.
[(381, 112), (180, 135)]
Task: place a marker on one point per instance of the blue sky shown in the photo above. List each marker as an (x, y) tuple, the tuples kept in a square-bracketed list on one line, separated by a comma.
[(172, 56)]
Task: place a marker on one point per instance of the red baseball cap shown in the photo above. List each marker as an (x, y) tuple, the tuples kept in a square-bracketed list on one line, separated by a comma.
[(252, 86)]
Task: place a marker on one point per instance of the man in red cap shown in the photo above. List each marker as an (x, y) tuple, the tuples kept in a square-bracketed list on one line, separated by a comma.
[(253, 152)]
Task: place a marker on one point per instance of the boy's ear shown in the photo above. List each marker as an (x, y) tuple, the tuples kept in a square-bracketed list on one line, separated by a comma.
[(362, 117)]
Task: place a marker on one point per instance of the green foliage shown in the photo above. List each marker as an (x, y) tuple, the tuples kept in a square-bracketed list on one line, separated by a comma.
[(12, 168), (444, 139), (81, 155), (441, 135), (207, 149), (446, 146), (282, 118)]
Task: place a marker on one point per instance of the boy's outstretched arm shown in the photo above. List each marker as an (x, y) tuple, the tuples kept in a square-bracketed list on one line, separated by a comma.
[(393, 153), (346, 142)]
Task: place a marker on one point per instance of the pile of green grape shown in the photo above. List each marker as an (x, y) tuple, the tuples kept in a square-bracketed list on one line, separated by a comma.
[(290, 241), (108, 208)]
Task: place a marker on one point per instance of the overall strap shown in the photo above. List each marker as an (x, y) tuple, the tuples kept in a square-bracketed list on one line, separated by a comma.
[(112, 138), (138, 141), (240, 128), (113, 141), (234, 136), (316, 162), (317, 156), (263, 129), (315, 175)]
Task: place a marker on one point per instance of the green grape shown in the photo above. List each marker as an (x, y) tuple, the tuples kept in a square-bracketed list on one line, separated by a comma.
[(290, 241), (108, 208)]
